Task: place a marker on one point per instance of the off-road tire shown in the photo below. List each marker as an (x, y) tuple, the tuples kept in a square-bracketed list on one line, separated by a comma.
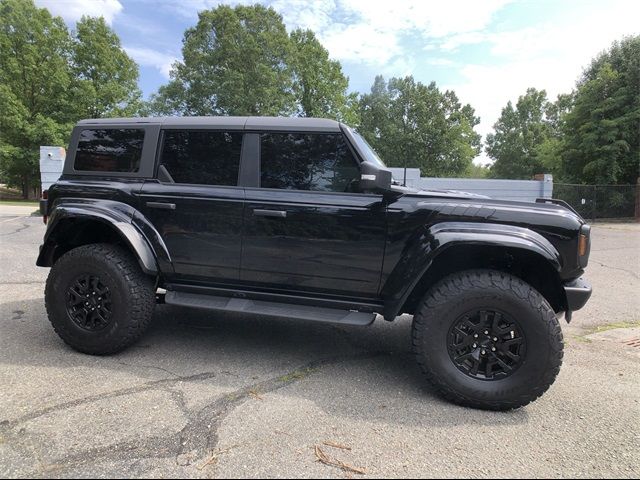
[(461, 292), (131, 291)]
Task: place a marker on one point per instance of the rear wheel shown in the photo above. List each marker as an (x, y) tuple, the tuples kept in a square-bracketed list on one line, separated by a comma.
[(98, 300), (486, 339)]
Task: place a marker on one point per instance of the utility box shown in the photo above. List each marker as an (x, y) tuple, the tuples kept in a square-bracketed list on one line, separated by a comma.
[(51, 163)]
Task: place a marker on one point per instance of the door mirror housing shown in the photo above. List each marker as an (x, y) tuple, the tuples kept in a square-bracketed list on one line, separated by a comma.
[(374, 178)]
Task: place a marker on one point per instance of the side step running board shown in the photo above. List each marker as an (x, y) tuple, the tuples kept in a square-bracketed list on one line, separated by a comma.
[(261, 307)]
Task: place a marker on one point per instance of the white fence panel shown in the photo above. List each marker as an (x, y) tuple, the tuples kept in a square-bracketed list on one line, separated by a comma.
[(519, 190)]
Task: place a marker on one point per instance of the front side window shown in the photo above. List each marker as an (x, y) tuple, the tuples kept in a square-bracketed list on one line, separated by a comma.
[(301, 161), (109, 150), (202, 157)]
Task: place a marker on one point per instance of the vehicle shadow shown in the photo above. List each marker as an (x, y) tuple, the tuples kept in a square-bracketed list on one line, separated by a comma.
[(361, 373)]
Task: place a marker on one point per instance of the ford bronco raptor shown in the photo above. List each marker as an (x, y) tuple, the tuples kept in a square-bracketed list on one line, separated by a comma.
[(299, 218)]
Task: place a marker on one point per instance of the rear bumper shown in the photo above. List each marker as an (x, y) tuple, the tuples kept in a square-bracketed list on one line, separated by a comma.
[(577, 292)]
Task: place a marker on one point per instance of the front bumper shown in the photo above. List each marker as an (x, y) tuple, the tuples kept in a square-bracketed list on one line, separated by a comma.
[(577, 292)]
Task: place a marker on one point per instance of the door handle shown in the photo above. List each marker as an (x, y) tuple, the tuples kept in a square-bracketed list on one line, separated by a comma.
[(162, 205), (270, 213)]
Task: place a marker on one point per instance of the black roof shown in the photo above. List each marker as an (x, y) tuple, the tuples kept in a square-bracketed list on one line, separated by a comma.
[(227, 123)]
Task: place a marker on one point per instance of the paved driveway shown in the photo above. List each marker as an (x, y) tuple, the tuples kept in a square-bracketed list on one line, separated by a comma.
[(228, 396)]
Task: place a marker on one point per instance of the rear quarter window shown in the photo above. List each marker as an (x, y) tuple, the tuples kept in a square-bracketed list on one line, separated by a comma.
[(109, 150)]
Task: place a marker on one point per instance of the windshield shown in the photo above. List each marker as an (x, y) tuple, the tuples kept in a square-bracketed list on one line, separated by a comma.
[(369, 153)]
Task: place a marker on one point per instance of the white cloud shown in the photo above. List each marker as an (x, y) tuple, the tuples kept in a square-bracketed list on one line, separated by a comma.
[(369, 31), (440, 62), (152, 58), (373, 30), (550, 56), (73, 10), (360, 43)]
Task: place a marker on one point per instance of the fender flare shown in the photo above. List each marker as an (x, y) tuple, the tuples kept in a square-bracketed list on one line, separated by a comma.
[(432, 241), (145, 242)]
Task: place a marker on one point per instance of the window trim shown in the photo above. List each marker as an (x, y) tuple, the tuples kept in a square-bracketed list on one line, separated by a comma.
[(160, 149), (341, 134), (147, 158)]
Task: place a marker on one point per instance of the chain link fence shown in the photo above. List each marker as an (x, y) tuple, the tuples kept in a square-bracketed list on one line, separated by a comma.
[(599, 201)]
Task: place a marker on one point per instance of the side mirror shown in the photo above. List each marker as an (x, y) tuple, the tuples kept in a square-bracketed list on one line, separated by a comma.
[(374, 178)]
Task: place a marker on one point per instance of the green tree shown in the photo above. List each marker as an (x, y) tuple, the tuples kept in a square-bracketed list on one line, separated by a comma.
[(416, 125), (319, 86), (34, 87), (602, 131), (518, 134), (550, 150), (105, 77), (477, 171), (236, 61)]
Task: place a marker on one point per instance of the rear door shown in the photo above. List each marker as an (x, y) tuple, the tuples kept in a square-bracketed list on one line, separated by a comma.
[(306, 228), (196, 204)]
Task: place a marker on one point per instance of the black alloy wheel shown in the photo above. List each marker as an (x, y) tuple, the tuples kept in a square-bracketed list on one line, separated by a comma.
[(89, 303), (486, 344)]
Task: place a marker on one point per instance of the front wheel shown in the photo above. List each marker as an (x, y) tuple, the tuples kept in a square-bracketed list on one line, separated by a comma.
[(98, 300), (486, 339)]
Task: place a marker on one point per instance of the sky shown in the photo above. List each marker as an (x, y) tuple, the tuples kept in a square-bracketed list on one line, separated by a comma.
[(488, 51)]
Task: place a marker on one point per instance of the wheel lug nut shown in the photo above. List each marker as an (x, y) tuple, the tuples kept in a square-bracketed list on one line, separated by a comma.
[(483, 352), (475, 336), (493, 349), (495, 339), (475, 345), (486, 332)]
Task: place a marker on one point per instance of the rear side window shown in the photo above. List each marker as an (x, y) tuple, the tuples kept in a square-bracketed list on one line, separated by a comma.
[(202, 157), (301, 161), (109, 150)]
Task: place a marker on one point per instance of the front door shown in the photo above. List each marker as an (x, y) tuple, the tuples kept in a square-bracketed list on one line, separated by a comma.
[(306, 229), (196, 205)]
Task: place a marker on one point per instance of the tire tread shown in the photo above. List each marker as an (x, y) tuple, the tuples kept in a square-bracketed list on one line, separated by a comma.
[(448, 290)]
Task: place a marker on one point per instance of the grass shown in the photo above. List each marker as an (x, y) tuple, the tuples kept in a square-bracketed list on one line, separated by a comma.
[(603, 328), (614, 326), (297, 375), (20, 203)]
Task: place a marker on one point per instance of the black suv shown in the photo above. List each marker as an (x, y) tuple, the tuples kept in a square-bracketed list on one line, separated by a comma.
[(298, 217)]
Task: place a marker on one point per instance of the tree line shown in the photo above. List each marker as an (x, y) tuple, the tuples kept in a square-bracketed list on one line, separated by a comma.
[(588, 136), (242, 61)]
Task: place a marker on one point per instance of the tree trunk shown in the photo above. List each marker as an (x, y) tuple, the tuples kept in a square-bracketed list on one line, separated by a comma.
[(25, 188)]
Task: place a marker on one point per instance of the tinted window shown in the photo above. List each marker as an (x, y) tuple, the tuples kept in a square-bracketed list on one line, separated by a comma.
[(109, 150), (298, 161), (202, 157)]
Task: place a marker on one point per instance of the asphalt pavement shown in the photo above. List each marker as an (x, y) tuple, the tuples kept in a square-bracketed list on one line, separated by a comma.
[(207, 395)]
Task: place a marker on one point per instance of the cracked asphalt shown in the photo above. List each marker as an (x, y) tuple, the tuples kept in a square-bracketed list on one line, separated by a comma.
[(209, 396)]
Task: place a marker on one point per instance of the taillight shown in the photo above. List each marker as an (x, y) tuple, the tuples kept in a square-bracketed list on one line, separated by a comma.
[(43, 205)]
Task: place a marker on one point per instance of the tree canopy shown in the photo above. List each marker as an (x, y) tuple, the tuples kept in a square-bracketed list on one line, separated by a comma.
[(415, 125), (602, 130), (49, 79), (591, 135), (518, 133), (235, 62), (241, 61), (106, 78)]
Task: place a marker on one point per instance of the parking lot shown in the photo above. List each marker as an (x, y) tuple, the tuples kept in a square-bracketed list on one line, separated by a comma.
[(204, 395)]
